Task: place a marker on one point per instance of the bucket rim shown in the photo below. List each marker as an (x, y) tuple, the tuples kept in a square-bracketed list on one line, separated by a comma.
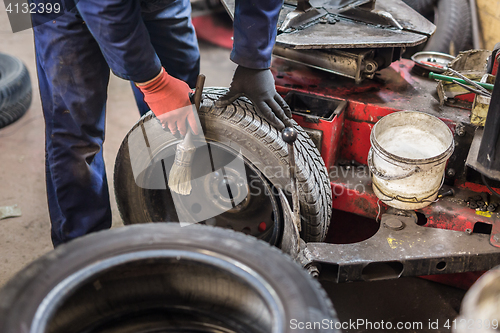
[(412, 161)]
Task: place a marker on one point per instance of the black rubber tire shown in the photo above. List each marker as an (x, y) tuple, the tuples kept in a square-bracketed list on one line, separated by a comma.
[(15, 89), (453, 29), (260, 143), (163, 278)]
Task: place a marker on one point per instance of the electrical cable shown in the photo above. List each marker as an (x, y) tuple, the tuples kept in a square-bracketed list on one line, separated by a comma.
[(483, 177)]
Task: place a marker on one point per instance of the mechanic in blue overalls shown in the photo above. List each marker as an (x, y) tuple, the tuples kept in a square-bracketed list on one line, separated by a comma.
[(153, 44)]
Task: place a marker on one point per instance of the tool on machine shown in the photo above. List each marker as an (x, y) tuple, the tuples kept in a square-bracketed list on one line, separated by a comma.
[(472, 90), (289, 135), (179, 179), (433, 61), (479, 85)]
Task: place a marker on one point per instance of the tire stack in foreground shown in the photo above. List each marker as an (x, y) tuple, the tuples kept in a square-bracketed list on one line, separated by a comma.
[(164, 278)]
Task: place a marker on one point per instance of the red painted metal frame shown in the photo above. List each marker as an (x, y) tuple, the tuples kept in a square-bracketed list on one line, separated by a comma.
[(396, 88)]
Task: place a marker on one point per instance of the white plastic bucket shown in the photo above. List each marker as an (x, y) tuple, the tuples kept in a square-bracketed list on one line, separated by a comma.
[(408, 157)]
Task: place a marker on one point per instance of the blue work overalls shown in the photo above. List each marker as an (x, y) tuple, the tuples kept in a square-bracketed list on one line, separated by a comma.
[(74, 53)]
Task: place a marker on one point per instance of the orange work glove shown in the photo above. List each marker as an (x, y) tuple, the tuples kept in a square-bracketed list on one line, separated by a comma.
[(168, 98)]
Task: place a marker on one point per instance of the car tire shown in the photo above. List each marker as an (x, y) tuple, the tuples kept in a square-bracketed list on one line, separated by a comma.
[(260, 143), (15, 89), (453, 28), (160, 277), (453, 24)]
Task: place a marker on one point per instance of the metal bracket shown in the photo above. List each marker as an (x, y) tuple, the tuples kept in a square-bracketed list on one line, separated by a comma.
[(353, 63), (403, 248), (364, 10)]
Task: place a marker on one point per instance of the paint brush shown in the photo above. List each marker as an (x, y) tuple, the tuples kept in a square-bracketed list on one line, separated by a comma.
[(179, 179)]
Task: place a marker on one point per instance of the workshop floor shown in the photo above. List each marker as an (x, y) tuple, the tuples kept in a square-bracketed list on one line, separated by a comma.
[(25, 238)]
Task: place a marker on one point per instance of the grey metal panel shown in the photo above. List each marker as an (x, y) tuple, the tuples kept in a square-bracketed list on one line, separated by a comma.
[(349, 33)]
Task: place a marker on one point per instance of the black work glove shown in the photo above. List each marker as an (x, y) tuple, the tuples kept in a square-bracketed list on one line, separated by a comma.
[(258, 86)]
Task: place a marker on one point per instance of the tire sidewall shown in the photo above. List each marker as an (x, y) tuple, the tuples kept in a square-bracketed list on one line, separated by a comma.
[(21, 297), (260, 144)]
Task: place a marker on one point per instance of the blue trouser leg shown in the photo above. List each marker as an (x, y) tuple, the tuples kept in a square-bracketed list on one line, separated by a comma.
[(73, 78), (174, 39)]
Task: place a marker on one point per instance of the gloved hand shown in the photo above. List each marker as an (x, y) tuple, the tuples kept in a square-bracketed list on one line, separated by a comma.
[(258, 86), (168, 98)]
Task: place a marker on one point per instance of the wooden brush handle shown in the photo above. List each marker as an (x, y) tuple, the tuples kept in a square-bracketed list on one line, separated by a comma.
[(200, 82), (187, 144)]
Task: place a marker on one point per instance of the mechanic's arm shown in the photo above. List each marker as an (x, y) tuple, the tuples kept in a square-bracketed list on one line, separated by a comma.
[(124, 41), (254, 37)]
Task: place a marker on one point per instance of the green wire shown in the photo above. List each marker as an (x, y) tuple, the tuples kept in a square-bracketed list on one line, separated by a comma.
[(435, 76)]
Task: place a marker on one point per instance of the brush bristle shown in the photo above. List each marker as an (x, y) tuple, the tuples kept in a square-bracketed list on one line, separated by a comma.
[(179, 179)]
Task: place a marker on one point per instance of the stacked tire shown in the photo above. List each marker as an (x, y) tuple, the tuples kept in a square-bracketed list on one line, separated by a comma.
[(164, 278)]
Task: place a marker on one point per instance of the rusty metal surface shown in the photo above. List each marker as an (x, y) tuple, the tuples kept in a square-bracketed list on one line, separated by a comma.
[(356, 64), (394, 88), (410, 251), (344, 32), (480, 109), (9, 211), (352, 191), (290, 243), (302, 15), (449, 222)]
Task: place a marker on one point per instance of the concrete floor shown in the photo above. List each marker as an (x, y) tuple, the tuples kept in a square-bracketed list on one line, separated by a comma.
[(22, 166)]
